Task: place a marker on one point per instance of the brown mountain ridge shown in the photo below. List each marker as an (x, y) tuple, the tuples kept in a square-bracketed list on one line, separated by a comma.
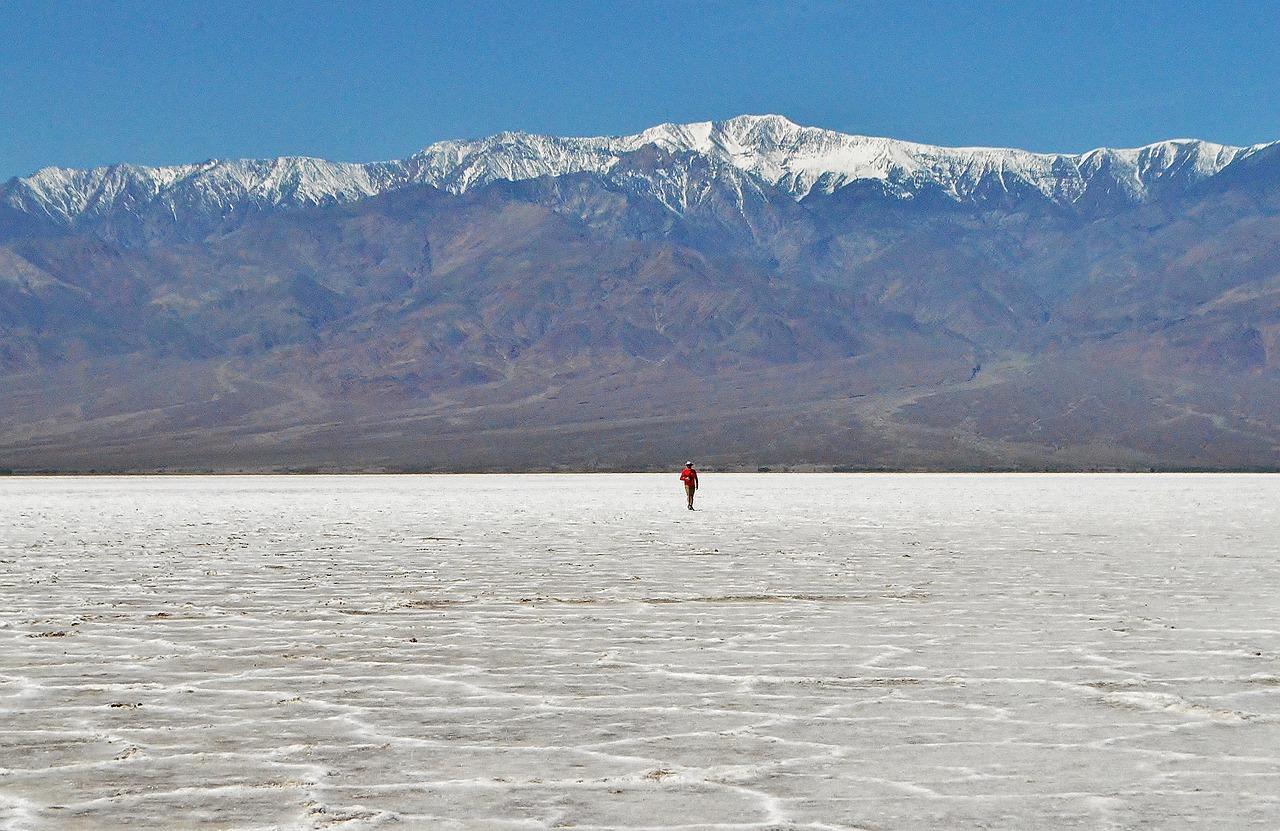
[(578, 322)]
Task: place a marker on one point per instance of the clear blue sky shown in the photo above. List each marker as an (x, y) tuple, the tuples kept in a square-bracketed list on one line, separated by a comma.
[(91, 83)]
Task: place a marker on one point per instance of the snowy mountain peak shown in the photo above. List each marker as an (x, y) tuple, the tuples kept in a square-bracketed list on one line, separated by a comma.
[(68, 196), (771, 150)]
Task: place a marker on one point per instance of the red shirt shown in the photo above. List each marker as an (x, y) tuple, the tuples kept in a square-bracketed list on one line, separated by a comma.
[(689, 476)]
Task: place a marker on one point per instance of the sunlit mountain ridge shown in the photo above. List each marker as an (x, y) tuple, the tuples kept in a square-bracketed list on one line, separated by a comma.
[(770, 149), (750, 292)]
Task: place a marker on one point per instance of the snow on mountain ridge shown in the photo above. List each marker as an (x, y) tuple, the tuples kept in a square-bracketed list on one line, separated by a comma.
[(67, 196), (770, 148), (800, 157)]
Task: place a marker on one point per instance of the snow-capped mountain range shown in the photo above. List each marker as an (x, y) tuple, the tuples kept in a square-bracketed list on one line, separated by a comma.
[(759, 152), (761, 291)]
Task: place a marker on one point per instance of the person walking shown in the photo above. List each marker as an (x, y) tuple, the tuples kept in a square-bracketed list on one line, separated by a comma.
[(689, 477)]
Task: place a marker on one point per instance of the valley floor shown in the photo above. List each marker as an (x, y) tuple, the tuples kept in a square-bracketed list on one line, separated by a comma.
[(804, 651)]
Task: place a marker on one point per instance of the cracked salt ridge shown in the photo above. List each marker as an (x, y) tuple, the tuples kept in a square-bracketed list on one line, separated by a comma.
[(517, 652)]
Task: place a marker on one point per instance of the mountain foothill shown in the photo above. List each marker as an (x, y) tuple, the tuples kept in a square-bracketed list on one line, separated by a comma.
[(748, 293)]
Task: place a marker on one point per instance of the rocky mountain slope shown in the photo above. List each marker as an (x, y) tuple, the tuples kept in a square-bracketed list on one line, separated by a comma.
[(765, 150), (749, 292)]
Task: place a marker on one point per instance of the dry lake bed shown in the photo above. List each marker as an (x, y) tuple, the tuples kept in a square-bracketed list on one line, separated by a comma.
[(804, 651)]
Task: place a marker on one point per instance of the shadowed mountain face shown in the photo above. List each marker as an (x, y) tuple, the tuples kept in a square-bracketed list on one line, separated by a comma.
[(628, 315)]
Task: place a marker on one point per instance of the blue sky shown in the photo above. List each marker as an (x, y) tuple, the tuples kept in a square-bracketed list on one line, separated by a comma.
[(91, 83)]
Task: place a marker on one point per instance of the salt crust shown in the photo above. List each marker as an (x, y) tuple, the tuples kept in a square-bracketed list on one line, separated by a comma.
[(537, 652)]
